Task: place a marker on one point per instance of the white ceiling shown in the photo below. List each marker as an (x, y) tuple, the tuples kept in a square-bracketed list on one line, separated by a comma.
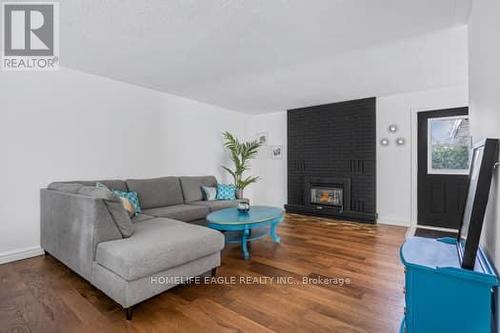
[(253, 55)]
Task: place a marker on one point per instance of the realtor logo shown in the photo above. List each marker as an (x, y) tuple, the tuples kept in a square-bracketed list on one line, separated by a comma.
[(30, 36)]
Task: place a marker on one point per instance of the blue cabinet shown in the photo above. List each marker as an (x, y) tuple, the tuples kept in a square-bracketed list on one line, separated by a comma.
[(442, 297)]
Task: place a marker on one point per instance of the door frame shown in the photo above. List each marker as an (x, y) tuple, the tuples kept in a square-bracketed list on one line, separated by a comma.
[(414, 166)]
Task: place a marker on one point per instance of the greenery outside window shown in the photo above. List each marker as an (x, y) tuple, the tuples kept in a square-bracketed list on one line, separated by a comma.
[(449, 145)]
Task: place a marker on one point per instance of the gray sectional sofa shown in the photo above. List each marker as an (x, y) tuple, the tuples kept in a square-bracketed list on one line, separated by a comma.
[(168, 241)]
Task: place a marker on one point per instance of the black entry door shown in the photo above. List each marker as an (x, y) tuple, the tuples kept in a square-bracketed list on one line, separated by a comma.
[(443, 161)]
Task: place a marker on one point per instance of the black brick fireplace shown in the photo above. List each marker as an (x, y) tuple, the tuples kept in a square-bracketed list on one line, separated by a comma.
[(332, 160)]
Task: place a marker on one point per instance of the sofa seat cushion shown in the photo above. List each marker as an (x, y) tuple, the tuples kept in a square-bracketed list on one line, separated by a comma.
[(157, 245), (138, 218), (214, 205), (186, 213)]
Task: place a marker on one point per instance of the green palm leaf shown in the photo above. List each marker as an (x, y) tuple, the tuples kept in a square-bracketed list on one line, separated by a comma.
[(249, 180), (241, 154)]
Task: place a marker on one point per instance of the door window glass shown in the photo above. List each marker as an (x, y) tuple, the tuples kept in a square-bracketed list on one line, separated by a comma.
[(449, 145)]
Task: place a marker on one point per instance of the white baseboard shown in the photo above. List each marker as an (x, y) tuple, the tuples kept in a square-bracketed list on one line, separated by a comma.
[(410, 232), (389, 221), (15, 255)]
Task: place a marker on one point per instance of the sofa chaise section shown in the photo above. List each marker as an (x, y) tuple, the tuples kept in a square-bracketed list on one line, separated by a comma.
[(133, 269), (79, 231), (157, 245)]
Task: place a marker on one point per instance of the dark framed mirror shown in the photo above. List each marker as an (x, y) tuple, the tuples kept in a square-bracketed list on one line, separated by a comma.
[(484, 158)]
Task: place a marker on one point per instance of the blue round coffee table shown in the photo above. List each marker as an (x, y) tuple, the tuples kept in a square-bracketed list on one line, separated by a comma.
[(241, 227)]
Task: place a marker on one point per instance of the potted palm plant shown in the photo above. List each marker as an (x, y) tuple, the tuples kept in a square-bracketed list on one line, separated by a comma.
[(241, 154)]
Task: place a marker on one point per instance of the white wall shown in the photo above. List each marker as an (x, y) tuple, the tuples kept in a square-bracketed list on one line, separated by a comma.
[(443, 71), (271, 189), (69, 125), (484, 83), (397, 165)]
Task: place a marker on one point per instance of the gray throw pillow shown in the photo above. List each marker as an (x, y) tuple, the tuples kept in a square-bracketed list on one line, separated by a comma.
[(209, 193), (114, 205)]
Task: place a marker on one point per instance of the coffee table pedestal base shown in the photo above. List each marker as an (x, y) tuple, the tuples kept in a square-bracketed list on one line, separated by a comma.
[(243, 234)]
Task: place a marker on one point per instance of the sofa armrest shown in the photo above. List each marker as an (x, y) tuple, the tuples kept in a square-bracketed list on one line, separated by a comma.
[(71, 227)]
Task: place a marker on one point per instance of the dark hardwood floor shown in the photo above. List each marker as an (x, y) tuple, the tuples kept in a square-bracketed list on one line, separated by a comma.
[(42, 295)]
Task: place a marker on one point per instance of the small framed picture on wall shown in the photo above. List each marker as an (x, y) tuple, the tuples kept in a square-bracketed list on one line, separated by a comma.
[(277, 152), (263, 138)]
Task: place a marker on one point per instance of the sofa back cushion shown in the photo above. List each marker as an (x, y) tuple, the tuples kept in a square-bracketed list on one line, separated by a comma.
[(65, 187), (112, 184), (113, 203), (115, 207), (157, 192), (191, 187)]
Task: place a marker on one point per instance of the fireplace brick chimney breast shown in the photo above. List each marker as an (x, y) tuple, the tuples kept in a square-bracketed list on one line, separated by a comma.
[(333, 142)]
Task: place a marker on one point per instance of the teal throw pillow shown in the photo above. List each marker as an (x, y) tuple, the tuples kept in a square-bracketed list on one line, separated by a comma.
[(226, 192), (130, 200), (132, 197)]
